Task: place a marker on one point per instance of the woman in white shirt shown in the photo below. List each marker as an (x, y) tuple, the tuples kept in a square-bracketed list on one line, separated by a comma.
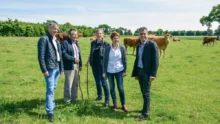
[(115, 63)]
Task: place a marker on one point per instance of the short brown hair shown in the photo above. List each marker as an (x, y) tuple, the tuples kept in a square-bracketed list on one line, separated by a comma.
[(114, 34)]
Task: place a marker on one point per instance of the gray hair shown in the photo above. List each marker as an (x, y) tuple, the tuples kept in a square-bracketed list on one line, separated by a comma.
[(99, 29), (72, 29), (142, 29), (53, 23)]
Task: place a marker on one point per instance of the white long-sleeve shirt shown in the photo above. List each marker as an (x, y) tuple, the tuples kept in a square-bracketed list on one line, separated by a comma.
[(115, 63)]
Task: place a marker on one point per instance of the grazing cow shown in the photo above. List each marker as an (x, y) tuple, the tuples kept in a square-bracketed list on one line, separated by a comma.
[(63, 36), (208, 39), (80, 35), (151, 35), (162, 42), (92, 38), (132, 42), (176, 39)]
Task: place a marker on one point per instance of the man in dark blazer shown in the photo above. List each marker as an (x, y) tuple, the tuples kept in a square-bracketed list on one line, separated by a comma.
[(72, 65), (51, 64), (145, 68)]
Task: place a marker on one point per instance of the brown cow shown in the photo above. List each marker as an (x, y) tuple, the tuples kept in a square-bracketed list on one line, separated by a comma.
[(63, 36), (162, 42), (132, 42), (208, 39), (80, 35), (92, 38), (176, 39)]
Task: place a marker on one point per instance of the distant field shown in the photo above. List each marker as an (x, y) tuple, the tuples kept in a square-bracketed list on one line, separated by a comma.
[(186, 91)]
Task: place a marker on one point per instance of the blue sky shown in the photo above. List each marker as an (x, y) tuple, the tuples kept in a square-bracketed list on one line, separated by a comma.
[(131, 14)]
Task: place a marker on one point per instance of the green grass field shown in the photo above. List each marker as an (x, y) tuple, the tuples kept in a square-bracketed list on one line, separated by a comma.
[(186, 91)]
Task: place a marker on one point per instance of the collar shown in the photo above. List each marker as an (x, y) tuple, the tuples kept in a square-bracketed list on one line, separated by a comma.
[(74, 41), (144, 42), (51, 38), (116, 47), (102, 41), (54, 37)]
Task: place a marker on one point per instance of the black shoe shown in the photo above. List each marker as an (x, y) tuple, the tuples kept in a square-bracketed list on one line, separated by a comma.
[(105, 104), (50, 117), (141, 118), (98, 99)]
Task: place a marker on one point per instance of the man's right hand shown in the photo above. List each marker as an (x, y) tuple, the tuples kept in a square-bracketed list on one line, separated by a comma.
[(136, 78), (87, 63), (104, 75), (46, 74), (76, 61)]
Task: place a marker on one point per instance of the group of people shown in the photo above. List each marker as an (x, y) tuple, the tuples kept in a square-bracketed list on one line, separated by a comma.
[(108, 61)]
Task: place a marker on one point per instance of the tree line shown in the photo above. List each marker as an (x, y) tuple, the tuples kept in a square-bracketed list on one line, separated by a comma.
[(26, 29)]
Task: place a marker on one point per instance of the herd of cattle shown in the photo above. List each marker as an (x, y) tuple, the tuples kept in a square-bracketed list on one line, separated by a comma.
[(161, 41)]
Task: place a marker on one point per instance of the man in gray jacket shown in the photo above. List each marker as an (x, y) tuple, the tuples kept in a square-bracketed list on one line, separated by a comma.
[(51, 64)]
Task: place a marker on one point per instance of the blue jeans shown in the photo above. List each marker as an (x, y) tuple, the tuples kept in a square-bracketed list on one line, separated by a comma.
[(100, 82), (51, 83), (145, 85), (119, 81)]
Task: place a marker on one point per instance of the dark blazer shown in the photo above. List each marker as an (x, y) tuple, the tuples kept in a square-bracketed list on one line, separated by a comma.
[(106, 58), (93, 46), (149, 58), (68, 54), (47, 56)]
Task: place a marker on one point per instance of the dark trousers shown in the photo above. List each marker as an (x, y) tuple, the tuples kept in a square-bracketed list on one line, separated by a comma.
[(100, 82), (145, 85), (119, 82)]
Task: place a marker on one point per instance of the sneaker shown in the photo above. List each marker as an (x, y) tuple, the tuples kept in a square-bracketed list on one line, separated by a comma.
[(141, 118), (114, 107), (105, 104), (124, 108), (98, 99), (50, 117)]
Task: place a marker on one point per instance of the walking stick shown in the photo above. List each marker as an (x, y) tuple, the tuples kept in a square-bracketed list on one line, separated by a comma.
[(87, 81), (83, 101), (80, 87)]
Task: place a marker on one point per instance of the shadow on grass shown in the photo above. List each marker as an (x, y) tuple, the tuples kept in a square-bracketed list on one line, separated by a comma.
[(34, 107), (95, 109)]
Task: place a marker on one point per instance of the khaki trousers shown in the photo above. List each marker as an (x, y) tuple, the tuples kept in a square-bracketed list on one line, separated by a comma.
[(71, 84)]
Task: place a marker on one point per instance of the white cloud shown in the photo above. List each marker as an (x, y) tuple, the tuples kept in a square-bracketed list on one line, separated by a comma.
[(153, 21), (93, 16)]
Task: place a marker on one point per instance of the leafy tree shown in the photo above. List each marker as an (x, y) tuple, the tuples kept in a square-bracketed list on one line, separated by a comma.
[(175, 33), (217, 31), (106, 28), (160, 32), (129, 32), (214, 16), (190, 33), (209, 32)]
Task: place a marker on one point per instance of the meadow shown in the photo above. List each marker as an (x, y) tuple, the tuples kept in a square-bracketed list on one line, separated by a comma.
[(186, 90)]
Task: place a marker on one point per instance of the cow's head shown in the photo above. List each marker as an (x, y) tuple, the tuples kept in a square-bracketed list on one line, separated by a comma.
[(168, 36), (61, 36)]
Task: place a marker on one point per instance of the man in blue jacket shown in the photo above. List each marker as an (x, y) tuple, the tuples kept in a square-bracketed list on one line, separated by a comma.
[(72, 65), (145, 68), (51, 64)]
